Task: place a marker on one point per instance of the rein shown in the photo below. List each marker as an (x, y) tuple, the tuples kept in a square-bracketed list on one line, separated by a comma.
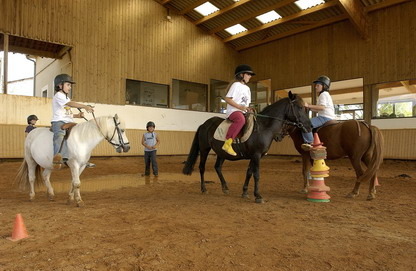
[(297, 123), (116, 129)]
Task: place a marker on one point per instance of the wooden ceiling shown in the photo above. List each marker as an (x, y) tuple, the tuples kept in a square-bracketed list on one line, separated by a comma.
[(293, 21)]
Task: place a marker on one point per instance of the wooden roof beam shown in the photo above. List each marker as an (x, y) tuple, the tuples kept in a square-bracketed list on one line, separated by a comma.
[(385, 4), (281, 21), (293, 32), (164, 2), (409, 87), (222, 11), (252, 15), (357, 15)]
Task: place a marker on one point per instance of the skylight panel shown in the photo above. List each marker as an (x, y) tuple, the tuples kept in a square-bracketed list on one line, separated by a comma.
[(305, 4), (268, 17), (206, 9), (235, 29)]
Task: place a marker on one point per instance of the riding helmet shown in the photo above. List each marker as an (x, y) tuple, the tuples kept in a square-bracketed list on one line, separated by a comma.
[(62, 78), (31, 117), (243, 68), (150, 124), (323, 79)]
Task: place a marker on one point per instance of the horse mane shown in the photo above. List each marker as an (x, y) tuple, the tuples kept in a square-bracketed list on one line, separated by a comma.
[(89, 128), (268, 110)]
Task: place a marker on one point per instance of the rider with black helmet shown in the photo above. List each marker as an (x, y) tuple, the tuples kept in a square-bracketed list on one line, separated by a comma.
[(31, 121), (324, 107), (61, 107), (238, 100)]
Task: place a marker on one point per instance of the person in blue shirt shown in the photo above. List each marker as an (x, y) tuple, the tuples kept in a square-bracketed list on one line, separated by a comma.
[(150, 141), (31, 121)]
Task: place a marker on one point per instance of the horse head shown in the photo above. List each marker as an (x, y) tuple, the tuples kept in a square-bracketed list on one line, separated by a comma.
[(120, 142), (297, 115)]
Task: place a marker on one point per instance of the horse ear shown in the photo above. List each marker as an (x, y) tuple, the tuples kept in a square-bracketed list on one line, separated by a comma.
[(291, 95)]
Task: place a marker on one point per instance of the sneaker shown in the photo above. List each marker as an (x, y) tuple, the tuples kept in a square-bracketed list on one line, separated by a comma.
[(90, 165), (306, 147)]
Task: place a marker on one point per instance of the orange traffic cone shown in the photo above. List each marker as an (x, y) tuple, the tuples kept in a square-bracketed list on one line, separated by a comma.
[(316, 141), (19, 229)]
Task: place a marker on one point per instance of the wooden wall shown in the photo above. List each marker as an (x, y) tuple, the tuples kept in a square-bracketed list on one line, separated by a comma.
[(338, 51), (114, 40), (399, 143)]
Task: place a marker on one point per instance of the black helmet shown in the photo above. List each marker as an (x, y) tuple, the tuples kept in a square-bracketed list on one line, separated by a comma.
[(31, 117), (62, 78), (324, 80), (243, 69), (150, 124)]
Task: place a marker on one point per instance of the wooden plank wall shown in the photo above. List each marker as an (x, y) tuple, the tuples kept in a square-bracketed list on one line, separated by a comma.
[(114, 40), (399, 143), (339, 52)]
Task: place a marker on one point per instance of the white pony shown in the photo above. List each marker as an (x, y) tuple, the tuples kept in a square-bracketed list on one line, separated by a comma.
[(83, 138)]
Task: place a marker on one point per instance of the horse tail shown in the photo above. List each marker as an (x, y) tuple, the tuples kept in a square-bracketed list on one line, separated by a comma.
[(193, 155), (376, 147), (22, 178)]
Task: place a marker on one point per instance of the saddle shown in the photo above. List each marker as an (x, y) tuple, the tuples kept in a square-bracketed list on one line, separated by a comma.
[(244, 134)]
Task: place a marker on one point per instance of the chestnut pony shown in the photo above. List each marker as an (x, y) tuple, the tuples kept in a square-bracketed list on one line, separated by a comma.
[(362, 143)]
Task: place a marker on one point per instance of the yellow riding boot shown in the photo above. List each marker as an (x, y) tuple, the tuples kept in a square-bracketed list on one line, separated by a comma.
[(228, 148)]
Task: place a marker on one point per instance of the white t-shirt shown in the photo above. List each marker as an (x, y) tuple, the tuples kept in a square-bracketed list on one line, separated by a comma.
[(325, 100), (61, 112), (240, 94)]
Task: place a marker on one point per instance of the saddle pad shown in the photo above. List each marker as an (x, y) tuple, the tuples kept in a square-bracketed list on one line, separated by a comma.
[(222, 129)]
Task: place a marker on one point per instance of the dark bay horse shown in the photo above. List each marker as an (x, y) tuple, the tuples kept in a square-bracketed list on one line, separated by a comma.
[(269, 125), (362, 143)]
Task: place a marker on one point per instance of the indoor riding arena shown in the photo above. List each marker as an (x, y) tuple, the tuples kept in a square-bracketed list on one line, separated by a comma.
[(346, 203)]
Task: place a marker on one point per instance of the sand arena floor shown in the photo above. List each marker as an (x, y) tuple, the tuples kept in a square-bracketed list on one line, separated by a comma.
[(132, 223)]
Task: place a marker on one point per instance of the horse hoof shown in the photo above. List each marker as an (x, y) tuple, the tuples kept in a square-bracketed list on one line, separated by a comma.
[(80, 204), (245, 196), (371, 197), (352, 195), (204, 192), (226, 192), (259, 200), (51, 198)]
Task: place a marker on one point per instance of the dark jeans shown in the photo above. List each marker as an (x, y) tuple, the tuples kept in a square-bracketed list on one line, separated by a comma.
[(150, 157)]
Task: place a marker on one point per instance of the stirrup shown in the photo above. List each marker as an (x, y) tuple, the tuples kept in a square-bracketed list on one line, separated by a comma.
[(57, 161)]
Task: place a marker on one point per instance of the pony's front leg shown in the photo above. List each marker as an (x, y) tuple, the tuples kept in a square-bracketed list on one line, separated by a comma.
[(306, 166), (76, 184), (247, 181), (46, 178), (256, 173), (218, 169)]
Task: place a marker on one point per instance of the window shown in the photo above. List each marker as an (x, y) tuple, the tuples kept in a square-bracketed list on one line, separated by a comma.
[(349, 111), (146, 93), (189, 95), (260, 94), (31, 64), (217, 92), (395, 99)]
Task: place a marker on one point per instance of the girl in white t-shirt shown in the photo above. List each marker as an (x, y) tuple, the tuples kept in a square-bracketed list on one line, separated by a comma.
[(324, 107), (238, 99), (61, 107)]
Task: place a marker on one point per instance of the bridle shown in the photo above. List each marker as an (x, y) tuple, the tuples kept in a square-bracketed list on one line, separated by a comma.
[(286, 122), (117, 129)]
